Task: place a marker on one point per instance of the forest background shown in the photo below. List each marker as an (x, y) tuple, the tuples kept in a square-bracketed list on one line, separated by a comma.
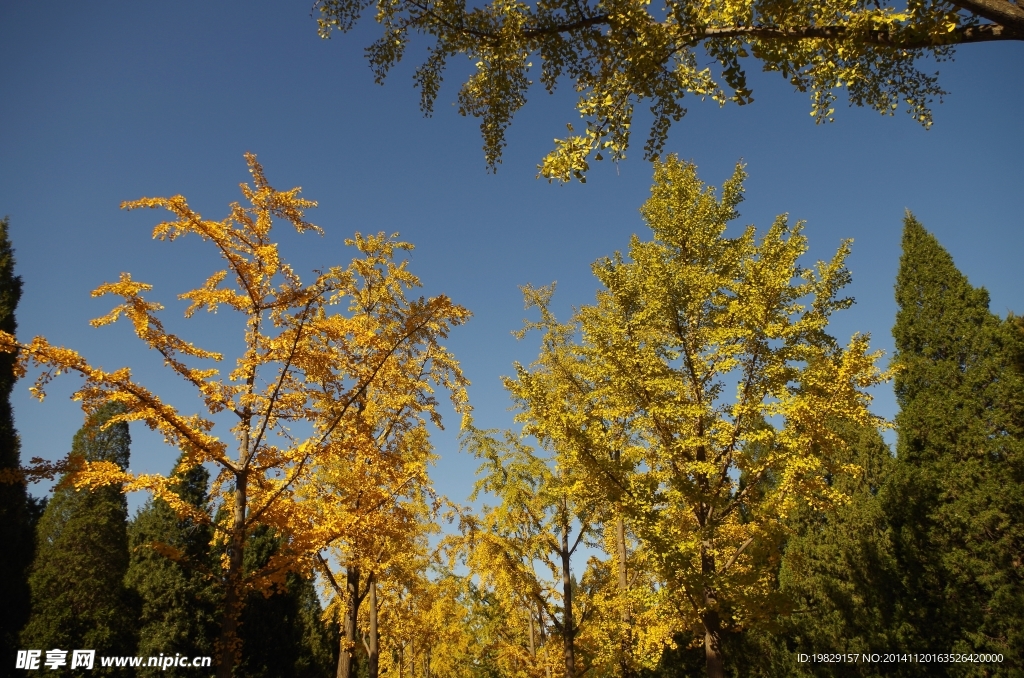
[(112, 102)]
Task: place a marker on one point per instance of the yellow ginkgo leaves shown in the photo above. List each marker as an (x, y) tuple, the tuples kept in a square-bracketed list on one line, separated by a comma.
[(700, 395), (339, 369)]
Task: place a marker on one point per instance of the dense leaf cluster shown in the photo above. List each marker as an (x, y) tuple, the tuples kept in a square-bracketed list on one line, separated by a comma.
[(619, 54)]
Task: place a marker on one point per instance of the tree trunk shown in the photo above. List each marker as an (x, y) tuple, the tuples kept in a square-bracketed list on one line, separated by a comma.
[(623, 584), (568, 621), (542, 637), (713, 657), (712, 644), (372, 641), (229, 641), (533, 637), (620, 549), (347, 658)]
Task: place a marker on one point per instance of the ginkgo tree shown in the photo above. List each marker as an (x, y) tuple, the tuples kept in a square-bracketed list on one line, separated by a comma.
[(543, 519), (384, 509), (710, 354), (315, 355), (620, 54)]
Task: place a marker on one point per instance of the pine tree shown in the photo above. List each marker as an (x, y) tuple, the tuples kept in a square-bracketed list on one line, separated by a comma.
[(170, 570), (958, 491), (16, 509), (173, 569), (79, 600)]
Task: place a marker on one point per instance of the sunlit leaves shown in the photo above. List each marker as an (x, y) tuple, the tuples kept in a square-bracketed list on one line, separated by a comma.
[(618, 54), (702, 391), (332, 374)]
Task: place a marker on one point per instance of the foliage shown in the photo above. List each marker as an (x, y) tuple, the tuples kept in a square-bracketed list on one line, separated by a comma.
[(79, 600), (282, 629), (960, 527), (618, 54), (379, 497), (709, 481), (840, 578), (171, 572), (432, 626), (296, 392), (542, 520), (17, 529)]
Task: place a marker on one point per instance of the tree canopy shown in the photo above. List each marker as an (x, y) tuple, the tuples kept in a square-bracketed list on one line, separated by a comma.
[(17, 533), (618, 54), (959, 453), (337, 377), (708, 479)]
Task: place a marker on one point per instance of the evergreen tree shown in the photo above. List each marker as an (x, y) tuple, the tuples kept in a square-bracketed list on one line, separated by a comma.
[(958, 491), (170, 569), (79, 600), (282, 634), (16, 509), (841, 575)]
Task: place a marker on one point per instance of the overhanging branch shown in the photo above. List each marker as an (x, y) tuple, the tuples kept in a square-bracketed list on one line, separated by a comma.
[(883, 38)]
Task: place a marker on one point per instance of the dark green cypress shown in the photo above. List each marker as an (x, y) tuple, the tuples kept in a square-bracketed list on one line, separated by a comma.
[(282, 633), (840, 574), (170, 570), (957, 505), (16, 509), (79, 600)]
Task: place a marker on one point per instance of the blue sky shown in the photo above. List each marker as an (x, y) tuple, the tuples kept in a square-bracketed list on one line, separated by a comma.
[(108, 101)]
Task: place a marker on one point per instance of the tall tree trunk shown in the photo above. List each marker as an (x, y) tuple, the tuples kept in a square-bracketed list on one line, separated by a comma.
[(713, 657), (623, 585), (229, 640), (542, 637), (347, 659), (533, 632), (568, 620), (372, 640), (620, 552)]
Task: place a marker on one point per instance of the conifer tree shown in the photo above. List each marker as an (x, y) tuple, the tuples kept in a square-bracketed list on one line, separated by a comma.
[(282, 632), (840, 574), (170, 570), (958, 498), (79, 600), (16, 529)]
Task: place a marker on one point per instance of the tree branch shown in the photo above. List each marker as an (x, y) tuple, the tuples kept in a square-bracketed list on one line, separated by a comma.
[(1004, 28), (736, 555), (997, 11)]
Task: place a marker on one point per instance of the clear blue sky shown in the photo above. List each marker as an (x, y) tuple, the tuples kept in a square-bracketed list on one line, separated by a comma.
[(106, 101)]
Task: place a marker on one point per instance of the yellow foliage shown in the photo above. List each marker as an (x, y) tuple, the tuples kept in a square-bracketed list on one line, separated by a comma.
[(701, 394), (619, 54), (341, 359)]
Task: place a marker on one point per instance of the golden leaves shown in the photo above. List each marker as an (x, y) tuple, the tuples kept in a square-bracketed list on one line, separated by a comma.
[(335, 376), (618, 54), (701, 391)]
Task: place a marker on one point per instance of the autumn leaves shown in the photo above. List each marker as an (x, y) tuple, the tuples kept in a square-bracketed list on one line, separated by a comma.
[(330, 407), (685, 414), (697, 400)]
